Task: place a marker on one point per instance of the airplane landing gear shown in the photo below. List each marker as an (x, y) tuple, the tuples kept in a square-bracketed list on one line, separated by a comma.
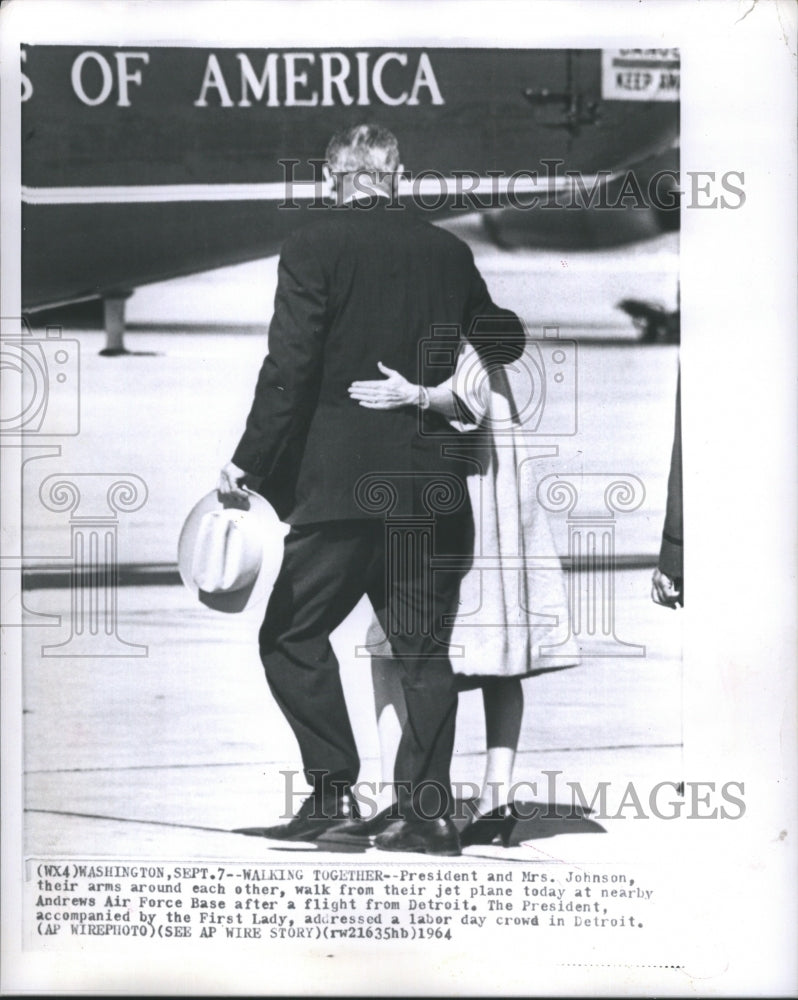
[(114, 322)]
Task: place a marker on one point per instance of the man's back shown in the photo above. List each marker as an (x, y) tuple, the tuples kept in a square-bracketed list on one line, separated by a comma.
[(365, 284)]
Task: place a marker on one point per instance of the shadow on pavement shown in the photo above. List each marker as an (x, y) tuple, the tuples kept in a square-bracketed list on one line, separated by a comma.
[(538, 821), (328, 842), (534, 821)]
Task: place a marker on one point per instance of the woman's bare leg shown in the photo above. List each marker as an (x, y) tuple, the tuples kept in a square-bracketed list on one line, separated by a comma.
[(503, 699)]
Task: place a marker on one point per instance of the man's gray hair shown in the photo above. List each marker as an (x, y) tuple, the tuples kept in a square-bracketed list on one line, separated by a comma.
[(370, 148)]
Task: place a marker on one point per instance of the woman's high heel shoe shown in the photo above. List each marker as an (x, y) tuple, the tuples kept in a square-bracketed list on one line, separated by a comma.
[(484, 830)]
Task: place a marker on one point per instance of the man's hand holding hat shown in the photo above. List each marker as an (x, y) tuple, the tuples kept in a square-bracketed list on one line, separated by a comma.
[(231, 545), (230, 490)]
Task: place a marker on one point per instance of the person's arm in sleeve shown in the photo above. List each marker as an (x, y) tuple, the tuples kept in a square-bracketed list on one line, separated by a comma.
[(668, 580), (287, 385), (497, 334)]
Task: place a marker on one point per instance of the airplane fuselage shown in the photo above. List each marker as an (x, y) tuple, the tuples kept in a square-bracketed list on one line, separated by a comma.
[(142, 163)]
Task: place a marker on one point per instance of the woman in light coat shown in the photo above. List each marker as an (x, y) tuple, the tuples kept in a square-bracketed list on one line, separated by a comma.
[(513, 620)]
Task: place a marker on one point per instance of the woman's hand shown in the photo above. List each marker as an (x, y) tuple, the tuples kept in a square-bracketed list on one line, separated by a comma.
[(388, 393)]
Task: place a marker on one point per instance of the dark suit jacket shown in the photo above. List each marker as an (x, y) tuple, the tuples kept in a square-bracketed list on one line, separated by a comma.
[(671, 550), (365, 283)]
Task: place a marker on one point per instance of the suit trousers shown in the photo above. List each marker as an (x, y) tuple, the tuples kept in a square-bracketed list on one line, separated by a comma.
[(327, 567)]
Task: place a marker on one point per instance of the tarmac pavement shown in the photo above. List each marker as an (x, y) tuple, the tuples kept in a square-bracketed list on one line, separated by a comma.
[(163, 755)]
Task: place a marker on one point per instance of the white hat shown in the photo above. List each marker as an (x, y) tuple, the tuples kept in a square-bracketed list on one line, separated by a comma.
[(229, 556)]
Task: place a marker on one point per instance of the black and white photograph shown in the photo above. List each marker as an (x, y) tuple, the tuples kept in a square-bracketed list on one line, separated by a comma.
[(398, 493)]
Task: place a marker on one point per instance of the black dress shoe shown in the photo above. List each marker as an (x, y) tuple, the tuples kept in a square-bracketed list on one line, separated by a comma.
[(368, 827), (486, 828), (429, 836), (316, 816)]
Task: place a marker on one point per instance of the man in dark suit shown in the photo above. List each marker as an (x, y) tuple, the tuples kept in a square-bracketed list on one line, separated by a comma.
[(364, 285)]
